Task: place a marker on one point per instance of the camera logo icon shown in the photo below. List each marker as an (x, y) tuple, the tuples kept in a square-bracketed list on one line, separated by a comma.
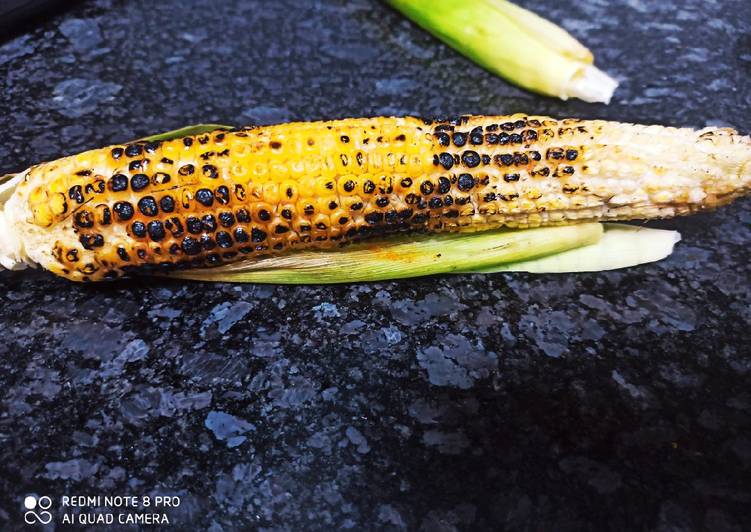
[(36, 510)]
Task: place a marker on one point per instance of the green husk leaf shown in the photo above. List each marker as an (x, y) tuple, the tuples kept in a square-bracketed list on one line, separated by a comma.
[(195, 129), (404, 256), (514, 43), (622, 246)]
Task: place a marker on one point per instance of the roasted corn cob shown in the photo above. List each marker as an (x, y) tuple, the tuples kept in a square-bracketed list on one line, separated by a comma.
[(226, 195)]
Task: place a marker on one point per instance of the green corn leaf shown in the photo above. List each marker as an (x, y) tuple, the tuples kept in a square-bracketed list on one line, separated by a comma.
[(514, 43), (622, 246), (404, 256), (195, 129)]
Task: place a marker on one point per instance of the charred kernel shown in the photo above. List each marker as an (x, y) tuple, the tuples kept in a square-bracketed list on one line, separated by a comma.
[(359, 158), (571, 155), (515, 138), (141, 253), (224, 239), (466, 182), (444, 185), (476, 136), (91, 241), (167, 204), (287, 214), (75, 193), (118, 183), (106, 218), (485, 158), (400, 138), (446, 160), (520, 124), (507, 159), (84, 219), (435, 203), (97, 186), (186, 169), (345, 160), (508, 178), (174, 249), (534, 123), (208, 222), (241, 236), (205, 197), (374, 218), (390, 218), (448, 200), (535, 155), (222, 195), (281, 229), (188, 141), (275, 144), (265, 216), (156, 230), (227, 219), (139, 229), (426, 188), (209, 170), (256, 235), (568, 170), (174, 226), (309, 210), (152, 146), (470, 158), (116, 153), (349, 186), (133, 150), (356, 206), (244, 216), (368, 187), (343, 220), (72, 255), (137, 164), (503, 138), (329, 185), (332, 205), (147, 205), (123, 254), (405, 213), (123, 210), (290, 192), (207, 242), (420, 218), (167, 160), (508, 197), (460, 139), (193, 224), (507, 126), (203, 140), (491, 138), (555, 154), (160, 178), (530, 135), (382, 201), (544, 172), (139, 182), (191, 246), (406, 182), (344, 139), (490, 196), (443, 138)]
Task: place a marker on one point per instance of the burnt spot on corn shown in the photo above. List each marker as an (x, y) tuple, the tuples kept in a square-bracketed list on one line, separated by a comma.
[(139, 182), (470, 158), (148, 207), (167, 204), (133, 150), (186, 169), (155, 229), (83, 219), (123, 210), (118, 183), (91, 241)]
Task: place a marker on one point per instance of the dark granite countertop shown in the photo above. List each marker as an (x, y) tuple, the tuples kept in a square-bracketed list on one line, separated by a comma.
[(610, 401)]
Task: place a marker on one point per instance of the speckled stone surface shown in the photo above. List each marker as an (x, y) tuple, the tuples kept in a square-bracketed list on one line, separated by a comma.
[(611, 401)]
